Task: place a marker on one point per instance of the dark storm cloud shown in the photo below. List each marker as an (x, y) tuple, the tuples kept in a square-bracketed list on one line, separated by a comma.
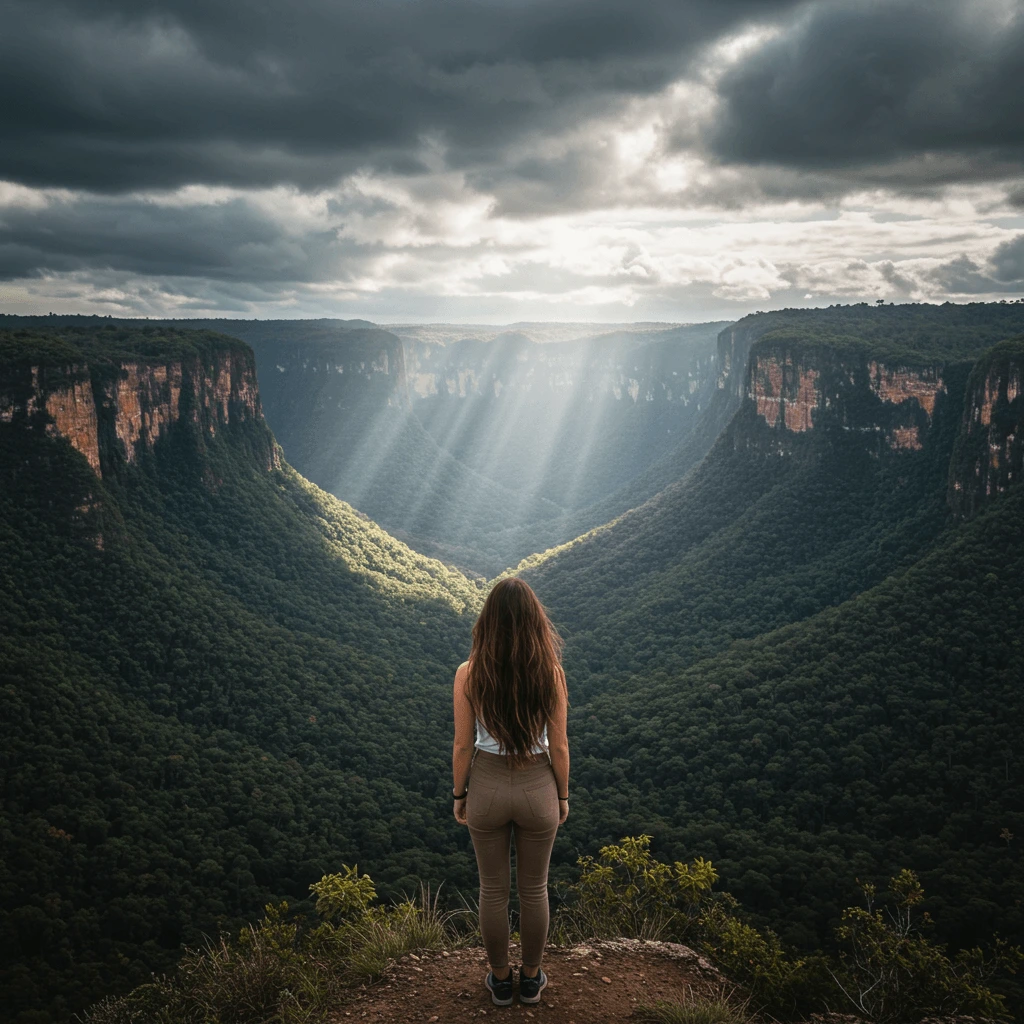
[(122, 94), (230, 241), (1002, 272), (1008, 260), (915, 92), (533, 103)]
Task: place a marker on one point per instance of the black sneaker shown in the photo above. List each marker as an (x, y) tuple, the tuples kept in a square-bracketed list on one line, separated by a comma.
[(531, 988), (501, 991)]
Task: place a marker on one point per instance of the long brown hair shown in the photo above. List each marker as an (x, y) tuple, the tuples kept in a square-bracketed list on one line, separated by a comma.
[(515, 668)]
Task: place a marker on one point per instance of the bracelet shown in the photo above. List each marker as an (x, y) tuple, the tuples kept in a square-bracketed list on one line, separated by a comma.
[(459, 796), (565, 798)]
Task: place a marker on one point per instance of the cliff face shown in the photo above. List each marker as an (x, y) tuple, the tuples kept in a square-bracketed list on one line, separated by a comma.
[(115, 413), (734, 345), (359, 367), (793, 389), (618, 367), (989, 452), (368, 413)]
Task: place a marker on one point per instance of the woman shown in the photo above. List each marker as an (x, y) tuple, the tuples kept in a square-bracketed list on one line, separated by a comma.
[(513, 691)]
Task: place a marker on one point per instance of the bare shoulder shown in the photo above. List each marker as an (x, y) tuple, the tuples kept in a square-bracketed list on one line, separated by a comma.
[(460, 675)]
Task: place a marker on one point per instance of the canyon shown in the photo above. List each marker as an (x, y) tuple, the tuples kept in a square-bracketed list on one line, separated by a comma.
[(765, 656), (479, 446)]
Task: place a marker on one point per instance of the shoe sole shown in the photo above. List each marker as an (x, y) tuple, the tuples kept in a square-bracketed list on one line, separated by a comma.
[(529, 1000), (494, 996)]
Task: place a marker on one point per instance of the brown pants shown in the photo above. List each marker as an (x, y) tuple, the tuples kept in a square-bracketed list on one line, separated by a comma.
[(501, 802)]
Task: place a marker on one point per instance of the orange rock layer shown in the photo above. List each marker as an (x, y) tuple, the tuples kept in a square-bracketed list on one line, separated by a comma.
[(73, 415), (145, 401), (787, 390), (896, 385), (782, 389), (983, 410), (997, 460)]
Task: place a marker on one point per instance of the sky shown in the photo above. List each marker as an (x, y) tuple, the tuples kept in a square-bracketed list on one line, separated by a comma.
[(492, 161)]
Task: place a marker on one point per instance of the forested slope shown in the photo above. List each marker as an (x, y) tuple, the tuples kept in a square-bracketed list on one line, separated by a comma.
[(875, 730), (218, 681), (877, 735)]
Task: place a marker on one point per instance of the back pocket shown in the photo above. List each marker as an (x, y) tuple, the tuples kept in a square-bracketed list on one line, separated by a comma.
[(543, 801), (478, 802)]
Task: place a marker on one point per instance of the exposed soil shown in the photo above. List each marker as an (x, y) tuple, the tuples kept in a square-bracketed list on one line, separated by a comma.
[(598, 983)]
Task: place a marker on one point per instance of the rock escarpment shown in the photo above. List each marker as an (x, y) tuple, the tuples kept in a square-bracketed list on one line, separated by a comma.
[(989, 453), (323, 390), (114, 411), (793, 388), (668, 366)]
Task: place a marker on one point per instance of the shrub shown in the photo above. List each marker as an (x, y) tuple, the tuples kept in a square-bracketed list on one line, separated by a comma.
[(345, 896), (276, 972), (778, 981), (890, 971), (626, 892)]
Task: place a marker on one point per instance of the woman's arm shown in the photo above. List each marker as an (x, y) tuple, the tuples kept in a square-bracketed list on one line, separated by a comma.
[(558, 746), (462, 748)]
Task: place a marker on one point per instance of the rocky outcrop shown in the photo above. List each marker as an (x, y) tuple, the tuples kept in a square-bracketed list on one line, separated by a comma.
[(114, 414), (989, 452), (793, 389), (600, 982)]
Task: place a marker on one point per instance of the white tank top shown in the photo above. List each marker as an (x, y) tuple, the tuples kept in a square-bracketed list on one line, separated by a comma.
[(485, 741)]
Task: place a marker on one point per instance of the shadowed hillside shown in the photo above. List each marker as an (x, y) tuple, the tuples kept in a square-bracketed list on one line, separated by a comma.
[(204, 660)]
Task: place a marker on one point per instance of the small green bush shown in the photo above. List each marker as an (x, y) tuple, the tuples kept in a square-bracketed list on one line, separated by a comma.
[(626, 893), (344, 896)]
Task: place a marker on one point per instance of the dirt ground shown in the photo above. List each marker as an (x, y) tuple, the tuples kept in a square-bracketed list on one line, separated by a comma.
[(599, 983)]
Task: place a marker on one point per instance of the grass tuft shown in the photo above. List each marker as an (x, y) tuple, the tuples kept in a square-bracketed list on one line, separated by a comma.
[(416, 924), (715, 1008)]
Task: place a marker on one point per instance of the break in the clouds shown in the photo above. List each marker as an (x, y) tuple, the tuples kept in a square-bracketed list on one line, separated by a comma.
[(533, 159)]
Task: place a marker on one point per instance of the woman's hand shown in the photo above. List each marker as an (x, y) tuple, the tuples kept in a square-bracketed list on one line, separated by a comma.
[(563, 811), (460, 811)]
